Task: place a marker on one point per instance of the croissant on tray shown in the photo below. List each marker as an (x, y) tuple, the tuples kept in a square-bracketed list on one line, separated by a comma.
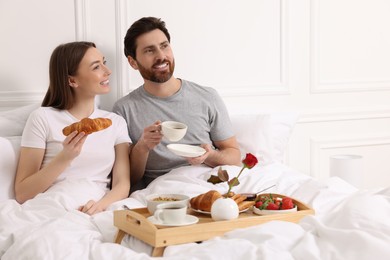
[(205, 201), (88, 126)]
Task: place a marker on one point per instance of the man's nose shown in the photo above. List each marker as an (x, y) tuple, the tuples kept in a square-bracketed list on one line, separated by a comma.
[(160, 55)]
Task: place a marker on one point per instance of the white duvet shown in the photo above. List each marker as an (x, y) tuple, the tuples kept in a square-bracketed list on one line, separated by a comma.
[(348, 224)]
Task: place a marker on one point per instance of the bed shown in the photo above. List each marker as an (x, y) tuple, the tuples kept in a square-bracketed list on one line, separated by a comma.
[(348, 223)]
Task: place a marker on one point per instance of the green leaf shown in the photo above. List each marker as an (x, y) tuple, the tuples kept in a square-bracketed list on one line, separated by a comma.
[(223, 175), (214, 179), (234, 182)]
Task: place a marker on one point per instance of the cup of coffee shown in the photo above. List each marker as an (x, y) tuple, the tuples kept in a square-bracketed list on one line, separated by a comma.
[(171, 213), (173, 131)]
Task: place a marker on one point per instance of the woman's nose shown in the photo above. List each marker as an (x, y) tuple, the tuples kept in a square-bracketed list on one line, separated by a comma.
[(107, 70)]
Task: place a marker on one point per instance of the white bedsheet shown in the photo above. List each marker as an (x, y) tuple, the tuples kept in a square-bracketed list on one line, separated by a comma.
[(349, 224)]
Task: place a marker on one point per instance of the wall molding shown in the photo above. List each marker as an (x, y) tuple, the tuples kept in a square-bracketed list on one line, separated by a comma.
[(258, 90), (82, 20), (122, 68), (335, 86), (359, 113), (14, 99), (318, 144)]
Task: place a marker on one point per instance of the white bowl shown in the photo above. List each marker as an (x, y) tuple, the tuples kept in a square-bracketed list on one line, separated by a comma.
[(152, 203), (270, 212)]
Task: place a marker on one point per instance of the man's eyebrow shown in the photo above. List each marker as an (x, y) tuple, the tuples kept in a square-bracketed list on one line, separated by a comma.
[(148, 47), (153, 46)]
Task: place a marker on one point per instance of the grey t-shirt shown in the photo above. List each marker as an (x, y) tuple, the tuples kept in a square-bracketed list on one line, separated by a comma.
[(200, 108)]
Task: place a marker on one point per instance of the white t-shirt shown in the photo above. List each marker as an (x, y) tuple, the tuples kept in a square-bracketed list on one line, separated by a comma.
[(44, 130)]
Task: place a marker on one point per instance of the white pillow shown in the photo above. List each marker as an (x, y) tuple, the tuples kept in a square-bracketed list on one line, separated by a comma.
[(264, 135), (282, 125), (12, 121), (253, 136), (10, 148)]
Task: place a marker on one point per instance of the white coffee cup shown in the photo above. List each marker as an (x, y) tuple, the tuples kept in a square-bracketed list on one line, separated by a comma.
[(170, 213), (173, 131)]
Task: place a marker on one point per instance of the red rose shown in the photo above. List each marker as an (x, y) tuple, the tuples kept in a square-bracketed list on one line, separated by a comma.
[(250, 161)]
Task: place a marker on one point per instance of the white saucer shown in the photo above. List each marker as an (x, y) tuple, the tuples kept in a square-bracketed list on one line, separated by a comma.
[(209, 213), (186, 150), (189, 220)]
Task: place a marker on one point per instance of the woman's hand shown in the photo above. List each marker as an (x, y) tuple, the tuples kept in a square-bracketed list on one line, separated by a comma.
[(73, 145), (91, 207)]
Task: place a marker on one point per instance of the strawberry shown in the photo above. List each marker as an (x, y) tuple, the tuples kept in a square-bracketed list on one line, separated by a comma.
[(278, 203), (258, 204), (287, 203), (272, 206)]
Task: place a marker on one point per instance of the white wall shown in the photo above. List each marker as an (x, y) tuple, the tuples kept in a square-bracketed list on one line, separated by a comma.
[(329, 60)]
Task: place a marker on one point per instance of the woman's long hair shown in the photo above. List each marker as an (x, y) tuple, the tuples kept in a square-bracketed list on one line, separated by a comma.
[(64, 62)]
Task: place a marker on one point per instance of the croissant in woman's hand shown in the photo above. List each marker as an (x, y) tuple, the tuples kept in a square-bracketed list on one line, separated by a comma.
[(88, 126)]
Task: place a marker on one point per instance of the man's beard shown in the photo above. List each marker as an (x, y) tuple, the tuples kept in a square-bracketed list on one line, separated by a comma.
[(157, 77)]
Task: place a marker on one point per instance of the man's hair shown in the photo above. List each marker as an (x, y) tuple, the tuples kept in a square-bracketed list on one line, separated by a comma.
[(143, 25)]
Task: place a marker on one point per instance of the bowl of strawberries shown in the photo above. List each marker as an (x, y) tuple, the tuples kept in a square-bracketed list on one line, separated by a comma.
[(268, 204)]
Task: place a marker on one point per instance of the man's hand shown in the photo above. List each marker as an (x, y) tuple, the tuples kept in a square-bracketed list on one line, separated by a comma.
[(151, 136), (200, 159)]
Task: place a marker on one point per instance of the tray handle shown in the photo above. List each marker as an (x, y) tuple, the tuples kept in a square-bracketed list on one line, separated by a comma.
[(129, 220)]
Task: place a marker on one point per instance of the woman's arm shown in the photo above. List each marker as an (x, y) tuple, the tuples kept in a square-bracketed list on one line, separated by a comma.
[(120, 182), (31, 180)]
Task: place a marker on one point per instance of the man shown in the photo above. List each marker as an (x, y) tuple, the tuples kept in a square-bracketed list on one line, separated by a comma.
[(163, 97)]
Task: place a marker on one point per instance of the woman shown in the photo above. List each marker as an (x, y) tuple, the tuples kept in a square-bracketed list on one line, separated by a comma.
[(77, 74)]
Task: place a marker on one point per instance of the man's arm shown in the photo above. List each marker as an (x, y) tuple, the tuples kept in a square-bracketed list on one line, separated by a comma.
[(139, 152), (227, 153)]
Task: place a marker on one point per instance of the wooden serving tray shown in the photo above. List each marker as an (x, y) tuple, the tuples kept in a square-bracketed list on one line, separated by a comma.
[(134, 223)]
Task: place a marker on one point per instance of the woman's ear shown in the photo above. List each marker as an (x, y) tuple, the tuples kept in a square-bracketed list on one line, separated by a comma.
[(132, 62), (72, 82)]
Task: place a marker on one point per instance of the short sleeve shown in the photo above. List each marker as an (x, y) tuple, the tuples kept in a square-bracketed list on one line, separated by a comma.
[(121, 131), (35, 130), (221, 126)]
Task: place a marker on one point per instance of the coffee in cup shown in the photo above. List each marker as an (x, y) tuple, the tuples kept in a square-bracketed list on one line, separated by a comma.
[(173, 131), (171, 213)]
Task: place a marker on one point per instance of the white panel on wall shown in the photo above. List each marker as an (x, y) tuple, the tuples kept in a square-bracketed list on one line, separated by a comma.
[(234, 47), (317, 137), (373, 149), (350, 45), (29, 31)]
